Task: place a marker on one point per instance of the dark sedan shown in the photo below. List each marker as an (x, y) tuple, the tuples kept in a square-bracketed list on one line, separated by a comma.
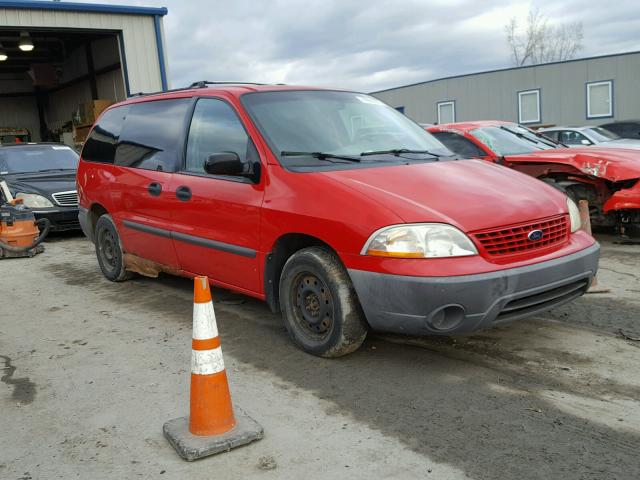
[(43, 175), (624, 128)]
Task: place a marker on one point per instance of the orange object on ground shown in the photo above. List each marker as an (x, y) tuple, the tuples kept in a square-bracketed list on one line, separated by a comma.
[(212, 426), (211, 408), (19, 233)]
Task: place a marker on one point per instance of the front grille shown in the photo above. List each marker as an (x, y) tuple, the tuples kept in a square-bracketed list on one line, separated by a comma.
[(514, 239), (538, 302), (66, 199)]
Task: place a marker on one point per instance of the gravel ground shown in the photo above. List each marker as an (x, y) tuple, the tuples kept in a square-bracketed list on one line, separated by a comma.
[(90, 371)]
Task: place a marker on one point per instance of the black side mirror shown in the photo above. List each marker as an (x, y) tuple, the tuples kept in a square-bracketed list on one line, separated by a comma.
[(226, 163)]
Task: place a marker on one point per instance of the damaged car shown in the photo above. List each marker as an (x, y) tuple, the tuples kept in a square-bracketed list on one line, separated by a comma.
[(609, 179)]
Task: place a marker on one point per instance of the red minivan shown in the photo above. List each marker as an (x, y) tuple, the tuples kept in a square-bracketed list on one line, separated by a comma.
[(329, 205)]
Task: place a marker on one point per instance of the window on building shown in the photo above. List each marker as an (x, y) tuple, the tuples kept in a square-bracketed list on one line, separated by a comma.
[(446, 112), (529, 106), (600, 99)]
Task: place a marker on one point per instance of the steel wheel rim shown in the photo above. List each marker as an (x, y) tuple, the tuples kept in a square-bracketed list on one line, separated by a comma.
[(312, 305), (107, 244)]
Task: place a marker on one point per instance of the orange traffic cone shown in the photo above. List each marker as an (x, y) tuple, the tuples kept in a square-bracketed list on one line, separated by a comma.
[(585, 220), (211, 426)]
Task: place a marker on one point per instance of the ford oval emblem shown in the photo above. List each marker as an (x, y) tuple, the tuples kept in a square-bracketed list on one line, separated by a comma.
[(535, 235)]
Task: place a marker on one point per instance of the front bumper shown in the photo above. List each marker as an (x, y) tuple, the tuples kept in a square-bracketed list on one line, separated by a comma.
[(61, 218), (466, 303)]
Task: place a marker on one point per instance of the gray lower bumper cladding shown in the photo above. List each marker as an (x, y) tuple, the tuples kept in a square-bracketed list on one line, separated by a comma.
[(463, 304)]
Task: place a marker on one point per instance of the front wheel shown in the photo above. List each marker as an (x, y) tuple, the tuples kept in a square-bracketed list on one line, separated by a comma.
[(109, 250), (319, 304)]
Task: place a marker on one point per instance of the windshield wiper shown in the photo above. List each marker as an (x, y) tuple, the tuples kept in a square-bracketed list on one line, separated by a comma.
[(53, 170), (542, 138), (319, 155), (397, 152)]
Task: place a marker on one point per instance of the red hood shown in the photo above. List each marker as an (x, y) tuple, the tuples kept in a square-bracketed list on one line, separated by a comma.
[(612, 164), (471, 194)]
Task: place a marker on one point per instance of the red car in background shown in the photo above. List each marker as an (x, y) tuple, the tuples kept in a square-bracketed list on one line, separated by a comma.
[(608, 178)]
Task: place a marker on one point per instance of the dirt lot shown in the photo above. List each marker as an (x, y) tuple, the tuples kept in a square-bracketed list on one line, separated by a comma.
[(91, 370)]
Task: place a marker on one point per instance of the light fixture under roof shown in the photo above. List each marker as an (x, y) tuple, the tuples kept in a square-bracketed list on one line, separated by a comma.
[(25, 44), (3, 53)]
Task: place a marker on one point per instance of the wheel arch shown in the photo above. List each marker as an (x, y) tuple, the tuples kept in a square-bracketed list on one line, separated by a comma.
[(93, 214), (285, 246)]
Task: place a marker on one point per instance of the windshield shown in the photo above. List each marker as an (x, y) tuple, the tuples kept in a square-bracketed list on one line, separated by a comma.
[(37, 158), (602, 135), (511, 139), (338, 123)]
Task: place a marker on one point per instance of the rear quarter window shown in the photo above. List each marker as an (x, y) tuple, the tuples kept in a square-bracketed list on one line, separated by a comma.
[(101, 144)]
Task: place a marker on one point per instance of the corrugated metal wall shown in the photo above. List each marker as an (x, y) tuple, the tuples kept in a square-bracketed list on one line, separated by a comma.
[(18, 112), (494, 95), (138, 33)]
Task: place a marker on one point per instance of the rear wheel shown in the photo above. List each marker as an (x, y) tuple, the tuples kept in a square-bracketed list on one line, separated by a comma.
[(109, 250), (319, 304)]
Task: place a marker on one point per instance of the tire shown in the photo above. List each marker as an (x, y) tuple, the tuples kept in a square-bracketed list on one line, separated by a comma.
[(319, 304), (109, 250)]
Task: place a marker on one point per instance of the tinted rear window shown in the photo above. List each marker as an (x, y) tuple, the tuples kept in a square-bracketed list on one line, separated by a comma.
[(153, 135), (101, 144), (458, 144)]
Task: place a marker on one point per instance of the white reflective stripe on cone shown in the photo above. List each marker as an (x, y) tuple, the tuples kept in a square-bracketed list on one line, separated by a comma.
[(204, 321), (207, 362)]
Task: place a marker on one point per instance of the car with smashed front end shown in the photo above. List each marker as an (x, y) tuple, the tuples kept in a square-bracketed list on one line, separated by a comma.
[(608, 178)]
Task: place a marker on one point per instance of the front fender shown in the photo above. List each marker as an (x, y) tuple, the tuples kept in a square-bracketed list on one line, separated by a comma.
[(627, 199)]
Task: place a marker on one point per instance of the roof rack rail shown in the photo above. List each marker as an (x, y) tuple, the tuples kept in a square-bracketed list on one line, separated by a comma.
[(200, 84), (204, 83), (142, 94)]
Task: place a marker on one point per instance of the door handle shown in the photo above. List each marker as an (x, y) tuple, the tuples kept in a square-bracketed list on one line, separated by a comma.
[(155, 189), (183, 193)]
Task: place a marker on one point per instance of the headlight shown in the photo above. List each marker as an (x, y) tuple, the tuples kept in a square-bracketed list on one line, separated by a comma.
[(574, 215), (420, 240), (33, 200)]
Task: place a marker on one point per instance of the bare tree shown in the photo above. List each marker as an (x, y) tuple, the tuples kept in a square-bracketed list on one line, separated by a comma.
[(540, 42)]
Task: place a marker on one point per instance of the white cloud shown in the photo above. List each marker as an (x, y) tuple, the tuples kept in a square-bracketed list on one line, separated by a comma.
[(365, 45)]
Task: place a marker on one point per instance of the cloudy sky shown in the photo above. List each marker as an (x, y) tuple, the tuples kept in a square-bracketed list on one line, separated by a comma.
[(366, 45)]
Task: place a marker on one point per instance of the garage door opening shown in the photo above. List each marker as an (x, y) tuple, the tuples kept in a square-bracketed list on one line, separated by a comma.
[(54, 91)]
